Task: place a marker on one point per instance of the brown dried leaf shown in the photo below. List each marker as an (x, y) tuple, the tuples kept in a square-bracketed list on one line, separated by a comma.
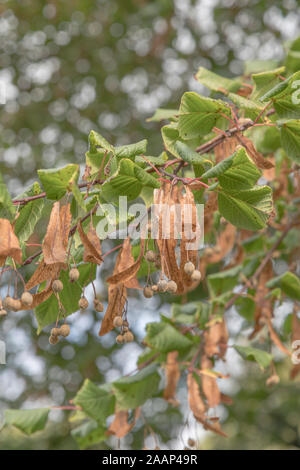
[(167, 200), (270, 173), (9, 243), (226, 399), (39, 298), (209, 384), (216, 338), (127, 267), (245, 90), (214, 427), (120, 426), (196, 403), (198, 407), (211, 206), (91, 243), (44, 272), (54, 249), (263, 305), (172, 376), (275, 338), (225, 242), (225, 148), (272, 380), (295, 336), (117, 296), (127, 259), (117, 293), (259, 160), (295, 327), (65, 221), (191, 234)]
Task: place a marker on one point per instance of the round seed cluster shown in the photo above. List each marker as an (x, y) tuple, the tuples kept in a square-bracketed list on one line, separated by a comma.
[(125, 335), (192, 272), (63, 331)]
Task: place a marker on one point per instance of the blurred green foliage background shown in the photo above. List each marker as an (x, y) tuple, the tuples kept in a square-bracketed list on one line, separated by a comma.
[(69, 67)]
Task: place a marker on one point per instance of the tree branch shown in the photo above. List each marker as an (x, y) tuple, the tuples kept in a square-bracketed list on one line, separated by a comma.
[(22, 202), (211, 144), (204, 148)]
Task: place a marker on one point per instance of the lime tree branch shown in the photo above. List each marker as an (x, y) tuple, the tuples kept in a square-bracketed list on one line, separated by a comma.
[(26, 200), (204, 148), (211, 144)]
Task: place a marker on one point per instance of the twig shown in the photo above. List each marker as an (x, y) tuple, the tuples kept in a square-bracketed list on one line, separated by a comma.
[(26, 200), (211, 144), (194, 359)]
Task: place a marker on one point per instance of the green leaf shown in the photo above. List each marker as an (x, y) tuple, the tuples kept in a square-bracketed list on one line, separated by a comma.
[(224, 281), (191, 312), (160, 160), (6, 205), (198, 115), (28, 421), (76, 192), (94, 160), (132, 150), (266, 139), (89, 434), (29, 215), (290, 139), (56, 182), (215, 82), (170, 135), (263, 358), (286, 109), (190, 156), (165, 338), (245, 307), (235, 172), (128, 181), (96, 402), (248, 209), (286, 97), (134, 390), (275, 91), (252, 109), (46, 313), (98, 141), (264, 81), (163, 114), (289, 283)]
